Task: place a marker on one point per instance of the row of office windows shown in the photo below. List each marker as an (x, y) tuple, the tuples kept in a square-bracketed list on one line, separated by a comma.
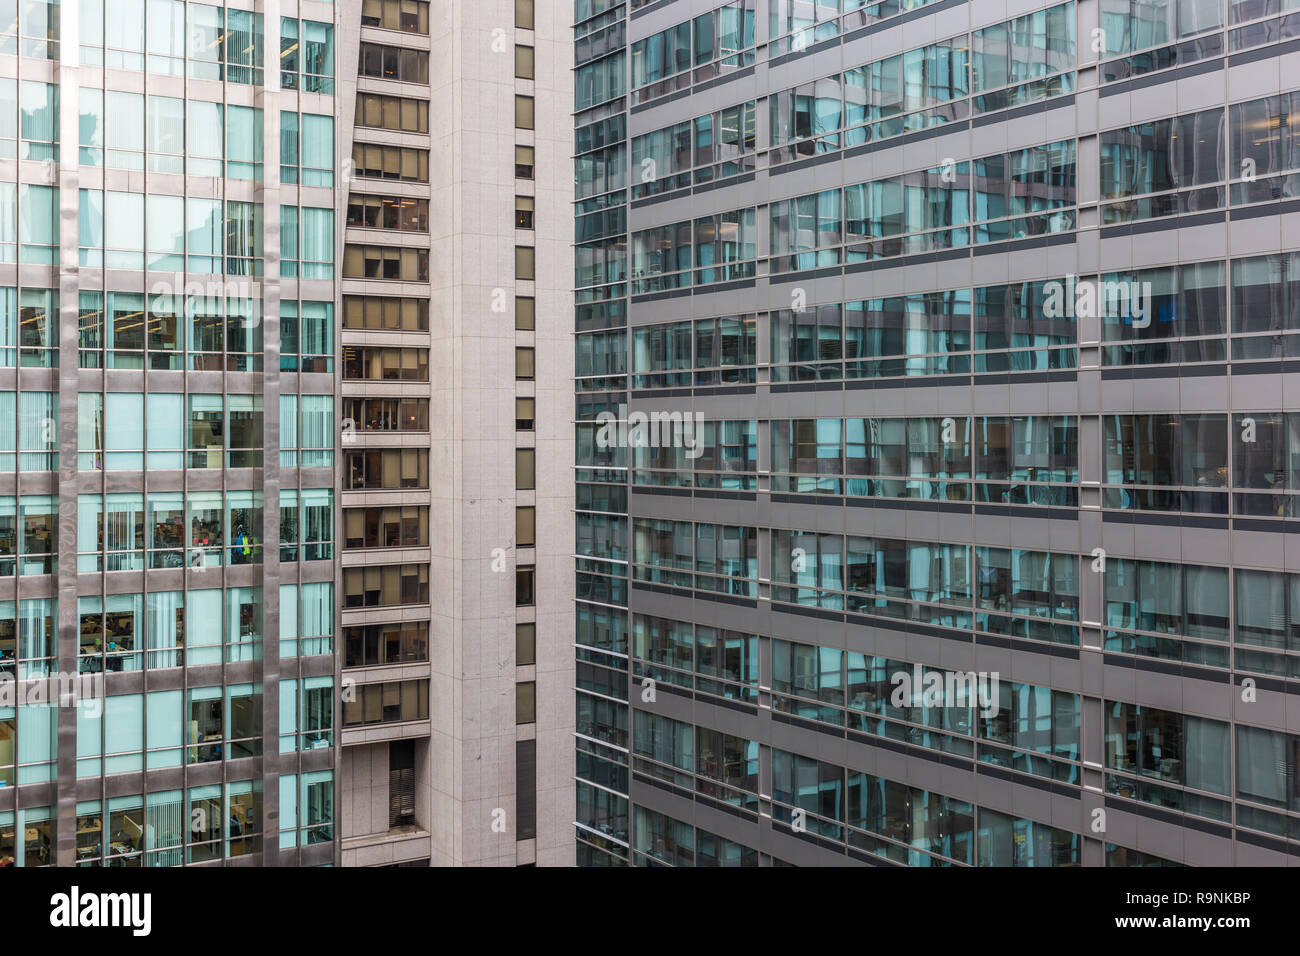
[(928, 457), (1184, 164), (401, 163), (1200, 161), (128, 632), (1151, 755), (708, 659), (670, 552), (168, 134), (389, 468), (399, 213), (852, 340), (381, 313), (1012, 459), (1142, 36), (398, 113), (133, 631), (172, 38), (1028, 192), (379, 363), (389, 702), (134, 732), (660, 840), (396, 642), (223, 626), (1007, 53), (406, 16), (1166, 462), (1129, 25), (117, 329), (123, 230), (819, 19), (396, 526), (127, 431), (908, 824), (1021, 60), (175, 827), (716, 42), (1031, 459), (393, 63), (1150, 462), (201, 332), (701, 150), (206, 42), (724, 455), (1030, 594), (1168, 314), (1137, 36), (1188, 613), (1198, 614), (1030, 728), (384, 414), (406, 264), (877, 100), (1186, 763), (385, 585), (135, 331), (716, 764), (198, 529), (156, 830), (1009, 195), (1154, 609), (1025, 727), (893, 820), (119, 634)]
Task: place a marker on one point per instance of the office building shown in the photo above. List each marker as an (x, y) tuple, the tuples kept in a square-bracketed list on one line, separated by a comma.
[(169, 389), (268, 501), (457, 409), (983, 552)]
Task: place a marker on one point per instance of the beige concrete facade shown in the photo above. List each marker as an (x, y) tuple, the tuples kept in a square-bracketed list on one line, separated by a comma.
[(467, 791)]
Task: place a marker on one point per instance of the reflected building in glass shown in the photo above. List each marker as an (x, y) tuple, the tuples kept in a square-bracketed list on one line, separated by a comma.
[(981, 553)]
